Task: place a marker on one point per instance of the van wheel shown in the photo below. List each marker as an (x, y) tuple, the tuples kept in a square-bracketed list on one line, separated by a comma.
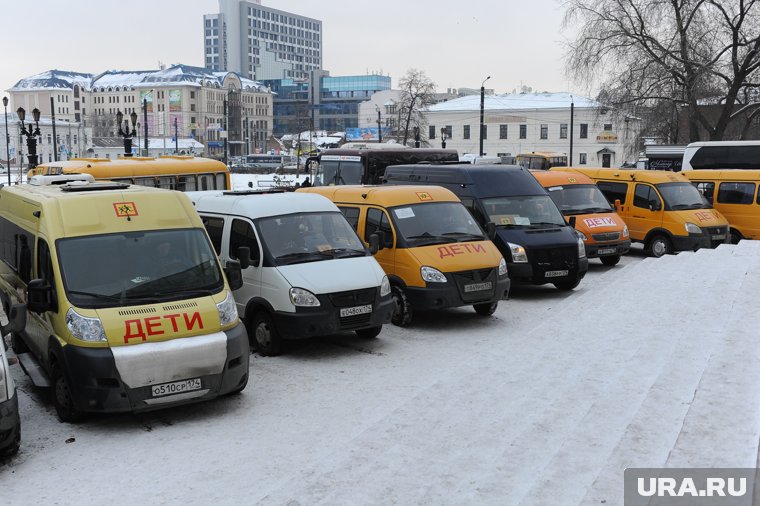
[(369, 333), (610, 260), (659, 245), (64, 405), (568, 285), (265, 336), (735, 236), (486, 309), (402, 311)]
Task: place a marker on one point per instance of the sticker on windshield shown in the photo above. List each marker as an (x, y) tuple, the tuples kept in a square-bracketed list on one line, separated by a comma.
[(522, 220), (511, 219), (404, 212), (424, 196), (125, 209)]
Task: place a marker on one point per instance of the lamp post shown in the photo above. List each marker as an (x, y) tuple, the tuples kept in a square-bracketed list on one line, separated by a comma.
[(443, 138), (7, 140), (138, 138), (31, 135), (416, 131), (482, 100), (126, 133), (379, 126)]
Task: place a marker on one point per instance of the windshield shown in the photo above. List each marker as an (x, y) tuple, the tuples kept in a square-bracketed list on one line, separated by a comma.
[(527, 210), (681, 196), (579, 199), (338, 172), (138, 267), (436, 223), (309, 237)]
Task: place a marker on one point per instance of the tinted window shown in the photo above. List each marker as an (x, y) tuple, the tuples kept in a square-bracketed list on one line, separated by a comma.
[(726, 157), (241, 234), (352, 216), (214, 227), (736, 193), (613, 191), (45, 268), (187, 184), (377, 220), (706, 189), (645, 196), (16, 248)]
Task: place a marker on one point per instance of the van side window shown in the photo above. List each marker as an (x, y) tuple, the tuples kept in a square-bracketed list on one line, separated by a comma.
[(472, 206), (214, 227), (187, 184), (736, 193), (378, 220), (613, 191), (45, 269), (241, 234), (706, 189), (145, 181), (644, 196), (352, 216)]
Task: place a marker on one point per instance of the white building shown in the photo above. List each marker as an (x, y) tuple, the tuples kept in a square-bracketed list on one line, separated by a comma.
[(522, 123)]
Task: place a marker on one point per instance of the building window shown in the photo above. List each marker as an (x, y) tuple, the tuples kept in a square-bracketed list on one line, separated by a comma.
[(608, 127), (466, 132), (582, 158), (523, 131), (431, 132), (449, 131), (563, 131), (584, 130), (503, 131), (544, 131)]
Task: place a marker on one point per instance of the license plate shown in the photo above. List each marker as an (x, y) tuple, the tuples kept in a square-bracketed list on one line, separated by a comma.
[(477, 287), (177, 387), (605, 251), (352, 311), (555, 274), (719, 237)]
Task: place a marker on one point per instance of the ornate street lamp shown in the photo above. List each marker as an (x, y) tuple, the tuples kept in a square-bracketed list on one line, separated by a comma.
[(31, 135), (443, 137), (126, 133)]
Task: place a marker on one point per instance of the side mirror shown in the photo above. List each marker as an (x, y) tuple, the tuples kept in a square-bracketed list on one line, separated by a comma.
[(39, 295), (572, 221), (655, 206), (374, 243), (618, 206), (16, 319), (234, 274), (491, 230), (243, 255)]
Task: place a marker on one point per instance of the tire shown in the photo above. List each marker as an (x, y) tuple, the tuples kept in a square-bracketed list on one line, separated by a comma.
[(659, 246), (369, 333), (611, 260), (735, 236), (264, 335), (402, 312), (568, 285), (61, 394), (486, 308)]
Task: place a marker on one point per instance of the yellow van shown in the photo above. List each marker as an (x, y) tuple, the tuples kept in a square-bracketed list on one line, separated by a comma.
[(733, 193), (127, 305), (434, 253), (661, 208)]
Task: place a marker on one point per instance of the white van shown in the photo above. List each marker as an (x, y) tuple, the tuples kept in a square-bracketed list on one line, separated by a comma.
[(305, 271), (721, 155)]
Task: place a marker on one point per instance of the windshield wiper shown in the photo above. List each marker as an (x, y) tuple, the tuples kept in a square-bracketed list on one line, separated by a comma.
[(197, 292), (465, 236), (545, 223), (684, 206), (120, 297), (299, 257), (427, 239), (343, 252)]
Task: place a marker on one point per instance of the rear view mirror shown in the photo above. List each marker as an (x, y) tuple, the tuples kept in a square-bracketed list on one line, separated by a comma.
[(39, 296), (491, 230), (374, 243), (234, 274), (243, 255), (16, 319), (572, 221)]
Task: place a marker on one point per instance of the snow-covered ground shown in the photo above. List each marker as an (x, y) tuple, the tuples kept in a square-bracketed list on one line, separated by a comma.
[(651, 363)]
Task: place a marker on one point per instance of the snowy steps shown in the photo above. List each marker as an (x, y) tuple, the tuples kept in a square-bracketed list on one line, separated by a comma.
[(563, 414)]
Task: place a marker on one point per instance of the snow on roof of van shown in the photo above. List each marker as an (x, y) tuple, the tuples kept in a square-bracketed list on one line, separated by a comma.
[(515, 101), (261, 204)]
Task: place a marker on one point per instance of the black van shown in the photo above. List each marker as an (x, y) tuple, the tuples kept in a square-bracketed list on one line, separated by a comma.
[(531, 233)]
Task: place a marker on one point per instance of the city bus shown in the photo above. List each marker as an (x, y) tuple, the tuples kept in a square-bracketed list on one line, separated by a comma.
[(537, 160), (247, 163), (343, 166), (183, 173)]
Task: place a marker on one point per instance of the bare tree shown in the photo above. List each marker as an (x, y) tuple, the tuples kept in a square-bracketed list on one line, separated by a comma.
[(417, 93), (676, 53)]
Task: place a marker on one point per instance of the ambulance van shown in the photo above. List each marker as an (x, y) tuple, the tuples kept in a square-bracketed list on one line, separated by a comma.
[(128, 308), (662, 209), (305, 271), (604, 232), (434, 253), (733, 193)]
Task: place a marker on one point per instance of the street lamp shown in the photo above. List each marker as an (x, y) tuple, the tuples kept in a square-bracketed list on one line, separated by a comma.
[(443, 138), (31, 135), (379, 126), (138, 138), (482, 99), (7, 140), (416, 131), (126, 133)]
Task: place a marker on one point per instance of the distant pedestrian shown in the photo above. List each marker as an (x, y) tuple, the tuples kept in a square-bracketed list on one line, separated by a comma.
[(306, 183)]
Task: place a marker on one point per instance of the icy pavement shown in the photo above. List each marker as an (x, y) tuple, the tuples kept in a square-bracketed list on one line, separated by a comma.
[(652, 363)]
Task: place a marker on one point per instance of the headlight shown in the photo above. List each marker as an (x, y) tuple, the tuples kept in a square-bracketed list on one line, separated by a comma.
[(581, 248), (227, 310), (303, 298), (432, 275), (581, 235), (518, 253), (385, 287), (85, 329), (625, 231), (502, 267), (693, 229), (4, 394)]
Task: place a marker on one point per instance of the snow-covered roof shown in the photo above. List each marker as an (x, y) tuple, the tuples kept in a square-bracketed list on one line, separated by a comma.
[(53, 80), (515, 101), (120, 78), (153, 143)]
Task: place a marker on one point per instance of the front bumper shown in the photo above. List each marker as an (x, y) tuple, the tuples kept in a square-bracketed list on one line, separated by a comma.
[(97, 386), (609, 249), (452, 294), (527, 273), (711, 237), (10, 425)]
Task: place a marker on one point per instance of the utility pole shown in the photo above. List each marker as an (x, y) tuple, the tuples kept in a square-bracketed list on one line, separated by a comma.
[(482, 102), (145, 122), (55, 138), (176, 137), (225, 131), (379, 128), (572, 112)]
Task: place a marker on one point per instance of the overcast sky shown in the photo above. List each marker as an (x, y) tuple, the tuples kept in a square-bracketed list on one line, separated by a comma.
[(457, 44)]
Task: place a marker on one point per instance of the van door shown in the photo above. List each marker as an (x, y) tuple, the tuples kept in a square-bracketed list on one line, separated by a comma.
[(242, 233), (39, 326), (645, 213), (376, 221), (736, 201)]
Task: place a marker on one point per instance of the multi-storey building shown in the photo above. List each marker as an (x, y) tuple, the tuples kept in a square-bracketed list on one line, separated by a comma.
[(260, 42)]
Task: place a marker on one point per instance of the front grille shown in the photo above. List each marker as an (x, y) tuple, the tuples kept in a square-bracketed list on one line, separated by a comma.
[(358, 320), (716, 230), (607, 236), (353, 298), (555, 258), (477, 276)]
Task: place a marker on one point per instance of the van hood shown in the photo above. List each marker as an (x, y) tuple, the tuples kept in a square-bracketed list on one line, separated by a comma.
[(538, 237), (338, 275), (702, 217), (458, 256), (598, 222)]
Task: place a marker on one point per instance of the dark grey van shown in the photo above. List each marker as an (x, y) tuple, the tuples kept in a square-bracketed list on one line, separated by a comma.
[(531, 232)]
